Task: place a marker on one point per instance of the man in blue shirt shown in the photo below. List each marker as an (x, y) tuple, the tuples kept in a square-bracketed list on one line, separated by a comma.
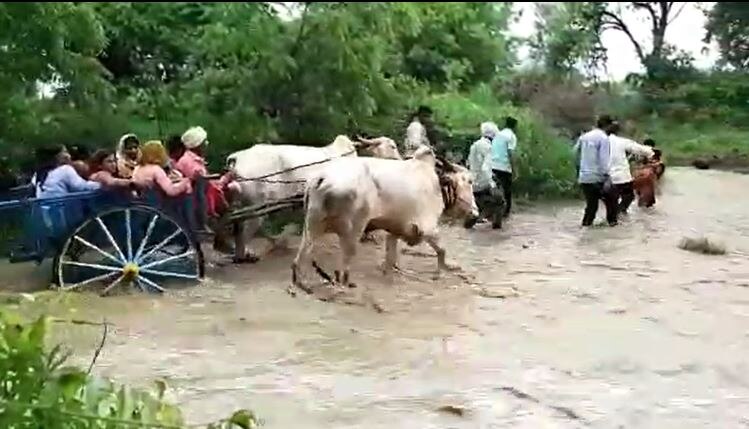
[(503, 146), (594, 154)]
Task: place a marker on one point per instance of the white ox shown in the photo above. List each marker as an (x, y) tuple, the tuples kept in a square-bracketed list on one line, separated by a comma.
[(406, 198), (266, 159)]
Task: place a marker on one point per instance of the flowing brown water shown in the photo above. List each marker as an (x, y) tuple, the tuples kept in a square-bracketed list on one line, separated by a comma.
[(607, 327)]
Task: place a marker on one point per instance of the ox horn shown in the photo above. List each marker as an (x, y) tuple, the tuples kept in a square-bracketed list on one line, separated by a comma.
[(365, 141), (231, 163), (444, 165)]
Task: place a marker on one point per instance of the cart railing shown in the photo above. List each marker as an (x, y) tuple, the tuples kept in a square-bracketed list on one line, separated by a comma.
[(73, 196), (45, 222)]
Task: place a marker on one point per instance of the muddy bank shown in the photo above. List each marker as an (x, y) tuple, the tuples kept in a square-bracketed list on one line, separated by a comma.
[(551, 326), (738, 163)]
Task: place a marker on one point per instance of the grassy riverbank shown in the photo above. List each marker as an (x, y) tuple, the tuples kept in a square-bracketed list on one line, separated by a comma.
[(720, 144)]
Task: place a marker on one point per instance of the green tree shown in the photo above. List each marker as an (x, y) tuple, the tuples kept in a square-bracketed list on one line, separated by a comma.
[(659, 14), (568, 37), (573, 32), (728, 24), (457, 43), (44, 42), (149, 43)]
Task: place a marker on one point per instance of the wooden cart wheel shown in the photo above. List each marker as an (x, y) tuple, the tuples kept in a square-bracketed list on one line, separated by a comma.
[(136, 245)]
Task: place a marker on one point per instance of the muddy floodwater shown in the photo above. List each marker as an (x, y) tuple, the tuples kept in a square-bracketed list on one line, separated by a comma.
[(548, 326)]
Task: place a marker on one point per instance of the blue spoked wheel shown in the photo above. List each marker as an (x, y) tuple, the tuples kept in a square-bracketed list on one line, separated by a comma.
[(139, 246)]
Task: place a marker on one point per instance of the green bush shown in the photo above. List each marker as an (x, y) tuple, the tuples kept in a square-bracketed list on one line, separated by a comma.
[(685, 141), (544, 165), (705, 98), (39, 392)]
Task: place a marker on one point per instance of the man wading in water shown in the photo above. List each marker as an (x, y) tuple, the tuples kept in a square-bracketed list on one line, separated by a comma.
[(488, 196), (594, 154), (621, 177), (503, 146), (416, 133)]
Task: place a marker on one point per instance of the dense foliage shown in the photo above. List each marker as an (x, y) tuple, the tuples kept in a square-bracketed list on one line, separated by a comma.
[(305, 72), (39, 391), (252, 72), (728, 24)]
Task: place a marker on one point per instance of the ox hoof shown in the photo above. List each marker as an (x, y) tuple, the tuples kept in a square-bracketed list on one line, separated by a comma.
[(369, 238), (388, 269), (247, 259), (334, 288)]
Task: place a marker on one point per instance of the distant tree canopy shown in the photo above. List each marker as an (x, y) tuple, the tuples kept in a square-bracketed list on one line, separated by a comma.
[(728, 24), (303, 73), (569, 34), (334, 64)]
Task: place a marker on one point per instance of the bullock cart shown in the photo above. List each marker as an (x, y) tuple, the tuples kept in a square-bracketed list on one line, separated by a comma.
[(101, 239)]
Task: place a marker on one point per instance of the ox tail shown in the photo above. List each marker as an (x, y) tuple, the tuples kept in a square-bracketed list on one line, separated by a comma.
[(327, 198), (337, 202)]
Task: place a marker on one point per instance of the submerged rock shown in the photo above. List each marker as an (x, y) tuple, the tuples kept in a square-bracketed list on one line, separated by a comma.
[(453, 409), (501, 293), (702, 245), (701, 164)]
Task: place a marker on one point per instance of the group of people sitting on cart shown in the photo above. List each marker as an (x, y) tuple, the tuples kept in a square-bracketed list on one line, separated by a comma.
[(135, 167)]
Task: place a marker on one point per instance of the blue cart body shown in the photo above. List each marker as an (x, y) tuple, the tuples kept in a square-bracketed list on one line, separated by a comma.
[(52, 226)]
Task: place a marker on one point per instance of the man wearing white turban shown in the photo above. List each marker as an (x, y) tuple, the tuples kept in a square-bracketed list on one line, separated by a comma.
[(194, 138), (192, 165), (489, 199)]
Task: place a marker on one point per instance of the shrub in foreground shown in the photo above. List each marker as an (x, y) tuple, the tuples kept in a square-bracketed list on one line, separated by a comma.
[(38, 391)]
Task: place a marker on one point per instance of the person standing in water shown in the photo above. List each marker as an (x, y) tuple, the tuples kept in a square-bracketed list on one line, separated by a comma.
[(503, 147), (621, 177), (657, 160), (485, 192), (594, 153), (416, 133)]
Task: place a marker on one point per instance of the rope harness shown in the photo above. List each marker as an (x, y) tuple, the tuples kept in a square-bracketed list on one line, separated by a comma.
[(448, 187), (448, 190), (264, 178)]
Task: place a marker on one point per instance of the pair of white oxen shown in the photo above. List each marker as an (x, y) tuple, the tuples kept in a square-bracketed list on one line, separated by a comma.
[(349, 195)]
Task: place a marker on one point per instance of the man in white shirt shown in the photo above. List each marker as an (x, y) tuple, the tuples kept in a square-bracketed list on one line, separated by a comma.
[(416, 133), (488, 197), (619, 169), (503, 147)]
